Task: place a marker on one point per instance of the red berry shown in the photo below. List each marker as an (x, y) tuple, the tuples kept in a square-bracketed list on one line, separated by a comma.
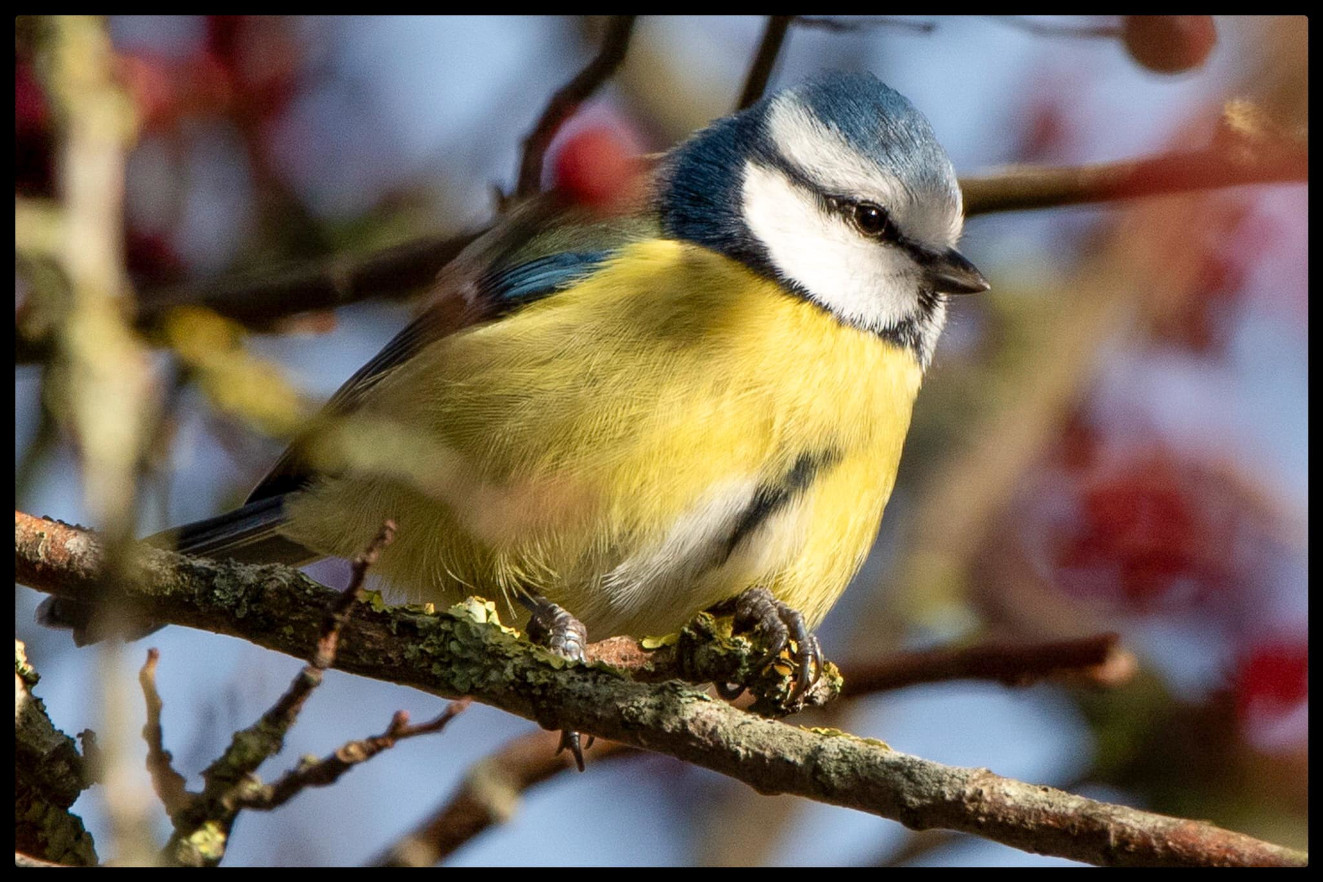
[(1169, 43), (1273, 679), (594, 166)]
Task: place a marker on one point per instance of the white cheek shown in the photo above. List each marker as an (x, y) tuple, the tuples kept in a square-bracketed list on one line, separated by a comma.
[(867, 284)]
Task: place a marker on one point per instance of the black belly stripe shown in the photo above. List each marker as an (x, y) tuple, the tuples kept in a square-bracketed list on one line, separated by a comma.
[(773, 496)]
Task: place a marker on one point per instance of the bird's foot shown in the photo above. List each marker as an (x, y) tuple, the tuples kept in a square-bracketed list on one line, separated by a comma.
[(558, 630), (778, 626)]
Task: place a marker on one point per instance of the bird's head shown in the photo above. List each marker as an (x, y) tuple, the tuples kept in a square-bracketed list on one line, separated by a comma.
[(838, 189)]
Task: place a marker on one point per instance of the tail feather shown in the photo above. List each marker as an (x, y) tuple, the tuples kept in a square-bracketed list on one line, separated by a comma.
[(247, 535)]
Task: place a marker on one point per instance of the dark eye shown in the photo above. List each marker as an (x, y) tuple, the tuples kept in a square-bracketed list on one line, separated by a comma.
[(872, 220)]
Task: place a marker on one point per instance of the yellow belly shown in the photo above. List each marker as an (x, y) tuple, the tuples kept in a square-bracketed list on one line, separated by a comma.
[(604, 446)]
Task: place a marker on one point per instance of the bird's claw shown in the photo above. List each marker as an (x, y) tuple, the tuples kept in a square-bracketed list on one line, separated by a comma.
[(756, 611), (570, 740), (558, 630)]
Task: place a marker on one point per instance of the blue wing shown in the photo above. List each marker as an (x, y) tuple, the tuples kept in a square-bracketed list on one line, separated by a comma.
[(510, 287)]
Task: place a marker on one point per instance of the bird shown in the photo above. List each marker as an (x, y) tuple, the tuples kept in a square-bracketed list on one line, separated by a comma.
[(619, 420)]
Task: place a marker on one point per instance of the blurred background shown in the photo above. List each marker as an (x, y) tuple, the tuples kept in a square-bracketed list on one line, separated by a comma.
[(1114, 439)]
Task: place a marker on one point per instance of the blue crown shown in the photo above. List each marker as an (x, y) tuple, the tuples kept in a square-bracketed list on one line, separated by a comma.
[(699, 184)]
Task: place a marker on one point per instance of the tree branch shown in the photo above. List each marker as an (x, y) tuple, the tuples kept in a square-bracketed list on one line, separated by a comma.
[(1058, 29), (1232, 160), (763, 63), (170, 786), (567, 100), (493, 787), (203, 821), (489, 795), (327, 770), (863, 23), (458, 653), (1100, 659), (258, 302), (49, 775)]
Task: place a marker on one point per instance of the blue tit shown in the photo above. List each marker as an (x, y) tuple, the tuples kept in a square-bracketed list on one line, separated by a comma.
[(638, 417)]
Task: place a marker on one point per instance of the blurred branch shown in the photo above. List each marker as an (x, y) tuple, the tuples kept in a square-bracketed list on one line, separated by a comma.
[(258, 302), (1099, 659), (760, 71), (1244, 153), (97, 384), (170, 786), (261, 301), (455, 653), (863, 23), (1237, 156), (567, 100), (490, 795), (100, 384), (1060, 29)]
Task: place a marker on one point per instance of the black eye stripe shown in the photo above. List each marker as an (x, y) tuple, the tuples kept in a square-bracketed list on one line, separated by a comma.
[(842, 205)]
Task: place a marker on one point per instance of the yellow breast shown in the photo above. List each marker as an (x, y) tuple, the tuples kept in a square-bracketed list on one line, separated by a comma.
[(663, 435)]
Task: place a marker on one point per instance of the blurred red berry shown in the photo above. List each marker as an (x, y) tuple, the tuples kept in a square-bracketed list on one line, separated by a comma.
[(594, 166), (1169, 43), (1276, 672), (262, 56), (33, 162), (167, 90), (150, 257), (1152, 524), (154, 88), (1272, 682)]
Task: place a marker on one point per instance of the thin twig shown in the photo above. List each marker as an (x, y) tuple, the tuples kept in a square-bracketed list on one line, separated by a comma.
[(489, 795), (329, 769), (863, 23), (567, 100), (1060, 29), (241, 759), (769, 49), (202, 821), (170, 786), (339, 613)]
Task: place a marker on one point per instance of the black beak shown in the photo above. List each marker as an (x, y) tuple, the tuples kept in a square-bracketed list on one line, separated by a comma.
[(949, 273)]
